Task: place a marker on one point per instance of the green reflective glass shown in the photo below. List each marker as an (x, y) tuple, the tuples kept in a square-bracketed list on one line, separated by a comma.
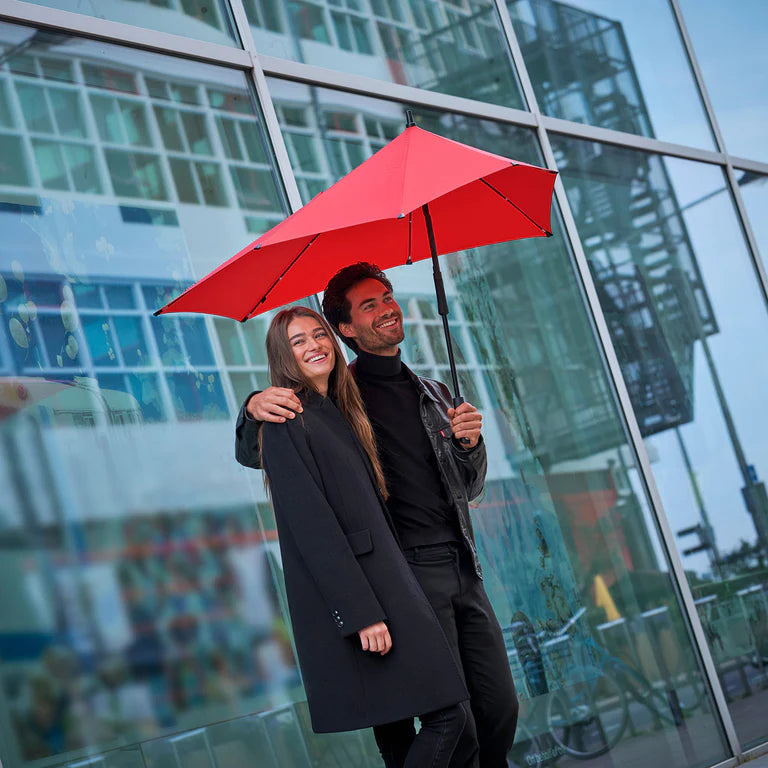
[(6, 116), (612, 63), (132, 344), (50, 164), (754, 191), (34, 108), (141, 595), (136, 174), (100, 340), (453, 48), (688, 320), (208, 20), (65, 108), (13, 170), (728, 44)]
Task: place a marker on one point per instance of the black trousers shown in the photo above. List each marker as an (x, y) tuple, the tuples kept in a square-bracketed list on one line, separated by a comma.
[(434, 745), (458, 598)]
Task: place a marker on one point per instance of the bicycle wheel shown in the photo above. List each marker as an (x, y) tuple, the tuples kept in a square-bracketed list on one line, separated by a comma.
[(528, 750), (587, 717)]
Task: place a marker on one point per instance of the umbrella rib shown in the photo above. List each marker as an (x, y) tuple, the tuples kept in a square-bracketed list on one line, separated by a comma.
[(517, 208), (279, 278)]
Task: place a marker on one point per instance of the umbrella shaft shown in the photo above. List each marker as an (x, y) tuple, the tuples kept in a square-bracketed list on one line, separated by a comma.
[(442, 305), (457, 398)]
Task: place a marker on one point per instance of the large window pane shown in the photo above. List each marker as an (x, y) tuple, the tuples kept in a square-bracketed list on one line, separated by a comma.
[(754, 191), (689, 323), (452, 47), (209, 20), (729, 42), (141, 588), (616, 64), (573, 562)]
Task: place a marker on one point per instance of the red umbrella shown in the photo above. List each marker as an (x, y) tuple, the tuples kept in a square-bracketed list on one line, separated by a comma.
[(419, 196)]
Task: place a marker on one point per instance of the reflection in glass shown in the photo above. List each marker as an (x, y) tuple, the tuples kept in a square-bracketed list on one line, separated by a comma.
[(604, 63), (573, 566), (688, 320), (730, 50), (208, 20), (142, 591), (754, 191), (457, 48)]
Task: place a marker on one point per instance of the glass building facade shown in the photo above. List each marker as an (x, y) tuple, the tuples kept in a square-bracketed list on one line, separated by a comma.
[(620, 365)]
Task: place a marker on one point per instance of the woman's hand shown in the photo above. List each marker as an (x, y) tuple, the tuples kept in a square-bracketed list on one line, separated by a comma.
[(376, 638)]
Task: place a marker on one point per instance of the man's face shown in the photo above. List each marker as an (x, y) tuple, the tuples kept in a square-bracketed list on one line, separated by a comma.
[(376, 321)]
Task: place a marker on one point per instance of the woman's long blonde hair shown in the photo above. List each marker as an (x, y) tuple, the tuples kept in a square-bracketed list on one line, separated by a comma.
[(285, 372)]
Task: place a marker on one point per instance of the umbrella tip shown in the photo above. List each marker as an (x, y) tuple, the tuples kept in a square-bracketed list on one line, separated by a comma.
[(157, 312), (409, 121)]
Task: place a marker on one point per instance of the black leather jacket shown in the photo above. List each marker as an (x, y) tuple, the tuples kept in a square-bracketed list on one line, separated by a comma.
[(463, 471)]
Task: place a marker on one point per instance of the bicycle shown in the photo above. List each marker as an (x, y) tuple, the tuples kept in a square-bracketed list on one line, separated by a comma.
[(589, 712)]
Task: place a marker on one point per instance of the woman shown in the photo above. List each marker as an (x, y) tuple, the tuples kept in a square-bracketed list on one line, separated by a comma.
[(370, 648)]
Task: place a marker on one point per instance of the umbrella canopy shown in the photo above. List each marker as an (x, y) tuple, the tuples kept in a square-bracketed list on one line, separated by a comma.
[(378, 212)]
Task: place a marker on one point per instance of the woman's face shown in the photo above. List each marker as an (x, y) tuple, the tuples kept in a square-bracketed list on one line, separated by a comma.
[(313, 350)]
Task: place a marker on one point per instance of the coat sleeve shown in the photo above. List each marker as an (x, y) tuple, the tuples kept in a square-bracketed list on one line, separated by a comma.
[(304, 514), (247, 438), (473, 465)]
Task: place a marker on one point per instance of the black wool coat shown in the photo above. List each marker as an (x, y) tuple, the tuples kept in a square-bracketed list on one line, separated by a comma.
[(344, 571)]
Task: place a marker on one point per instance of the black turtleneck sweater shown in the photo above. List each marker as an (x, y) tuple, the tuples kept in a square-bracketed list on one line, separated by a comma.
[(419, 506)]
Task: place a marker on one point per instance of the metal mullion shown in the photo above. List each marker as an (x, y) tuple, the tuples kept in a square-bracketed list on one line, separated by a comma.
[(20, 12), (730, 763), (157, 147), (741, 210), (223, 159), (743, 163), (220, 365), (153, 351), (186, 154), (632, 141), (92, 128), (271, 124), (19, 130), (372, 88), (625, 404), (517, 58), (264, 97), (698, 75), (755, 752)]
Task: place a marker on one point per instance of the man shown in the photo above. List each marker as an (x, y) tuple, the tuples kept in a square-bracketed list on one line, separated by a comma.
[(431, 475)]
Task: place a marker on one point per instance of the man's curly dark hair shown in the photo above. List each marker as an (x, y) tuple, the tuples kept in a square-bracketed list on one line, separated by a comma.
[(336, 306)]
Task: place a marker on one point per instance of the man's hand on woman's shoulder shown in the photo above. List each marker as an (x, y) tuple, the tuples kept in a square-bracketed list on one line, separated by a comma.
[(274, 404)]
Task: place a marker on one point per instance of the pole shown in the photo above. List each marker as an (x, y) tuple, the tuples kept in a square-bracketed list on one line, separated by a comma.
[(442, 305)]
